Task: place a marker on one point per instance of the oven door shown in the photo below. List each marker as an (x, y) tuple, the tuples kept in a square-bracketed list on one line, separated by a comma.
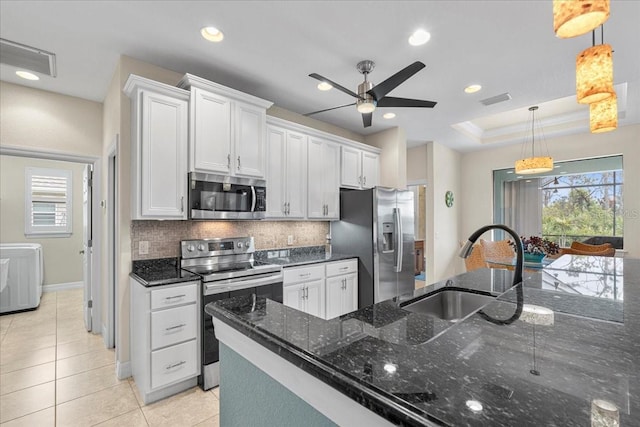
[(222, 197), (267, 286)]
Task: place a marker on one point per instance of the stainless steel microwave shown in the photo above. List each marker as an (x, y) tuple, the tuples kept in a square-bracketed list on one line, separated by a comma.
[(226, 197)]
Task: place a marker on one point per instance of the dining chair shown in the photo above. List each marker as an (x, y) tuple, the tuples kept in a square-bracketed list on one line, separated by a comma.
[(500, 249), (476, 259), (586, 247), (569, 251)]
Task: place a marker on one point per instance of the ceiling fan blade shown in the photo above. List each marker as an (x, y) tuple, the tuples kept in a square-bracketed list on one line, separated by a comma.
[(336, 85), (389, 101), (329, 109), (380, 90), (366, 119)]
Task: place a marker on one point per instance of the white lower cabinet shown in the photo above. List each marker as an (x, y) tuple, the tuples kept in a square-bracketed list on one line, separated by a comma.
[(165, 339), (325, 290)]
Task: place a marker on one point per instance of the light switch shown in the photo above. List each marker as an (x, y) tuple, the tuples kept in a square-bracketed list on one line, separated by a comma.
[(143, 247)]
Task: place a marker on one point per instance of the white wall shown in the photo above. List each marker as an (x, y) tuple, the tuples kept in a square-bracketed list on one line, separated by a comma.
[(476, 196), (62, 259), (393, 159)]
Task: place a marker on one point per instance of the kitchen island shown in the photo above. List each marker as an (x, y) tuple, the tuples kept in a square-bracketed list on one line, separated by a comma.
[(384, 364)]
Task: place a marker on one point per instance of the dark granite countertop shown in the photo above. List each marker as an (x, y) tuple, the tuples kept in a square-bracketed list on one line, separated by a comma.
[(162, 271), (414, 369), (292, 257)]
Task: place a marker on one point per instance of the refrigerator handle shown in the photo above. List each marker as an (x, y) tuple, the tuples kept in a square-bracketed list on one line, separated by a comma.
[(397, 216)]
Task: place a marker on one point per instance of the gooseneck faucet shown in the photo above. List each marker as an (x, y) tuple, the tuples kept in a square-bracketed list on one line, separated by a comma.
[(517, 276)]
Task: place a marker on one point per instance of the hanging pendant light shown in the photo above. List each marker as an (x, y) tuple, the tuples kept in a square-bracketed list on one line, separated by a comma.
[(594, 74), (573, 18), (534, 164), (603, 115)]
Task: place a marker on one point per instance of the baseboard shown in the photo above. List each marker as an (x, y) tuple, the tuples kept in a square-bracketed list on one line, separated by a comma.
[(62, 286), (123, 369)]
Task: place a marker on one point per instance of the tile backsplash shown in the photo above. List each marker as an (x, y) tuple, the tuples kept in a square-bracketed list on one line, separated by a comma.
[(164, 237)]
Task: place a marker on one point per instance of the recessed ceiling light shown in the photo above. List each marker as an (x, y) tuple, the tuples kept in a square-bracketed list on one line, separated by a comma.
[(389, 115), (212, 34), (419, 37), (27, 75), (472, 88), (324, 86)]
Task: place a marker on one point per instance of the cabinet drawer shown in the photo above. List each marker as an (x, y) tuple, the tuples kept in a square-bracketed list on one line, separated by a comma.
[(177, 295), (303, 274), (173, 325), (342, 267), (175, 363)]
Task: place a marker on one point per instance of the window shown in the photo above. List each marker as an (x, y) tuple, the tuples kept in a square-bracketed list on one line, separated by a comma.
[(579, 200), (48, 202)]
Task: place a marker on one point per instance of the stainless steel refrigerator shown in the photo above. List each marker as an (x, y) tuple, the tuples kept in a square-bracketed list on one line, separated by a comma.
[(377, 226)]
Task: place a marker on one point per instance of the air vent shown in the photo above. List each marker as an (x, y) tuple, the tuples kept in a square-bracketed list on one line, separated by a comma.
[(495, 99), (27, 58)]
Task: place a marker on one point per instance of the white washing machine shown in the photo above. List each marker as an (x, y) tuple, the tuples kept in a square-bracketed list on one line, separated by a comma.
[(21, 276)]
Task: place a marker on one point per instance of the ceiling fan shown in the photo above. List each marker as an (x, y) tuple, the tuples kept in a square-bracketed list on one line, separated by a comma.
[(369, 97)]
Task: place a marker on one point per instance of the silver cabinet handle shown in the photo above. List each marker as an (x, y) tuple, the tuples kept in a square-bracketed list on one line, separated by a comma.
[(306, 292), (344, 268), (288, 208), (175, 365), (81, 252), (284, 208), (175, 296), (364, 180), (304, 275), (238, 162), (182, 204), (171, 328), (229, 161)]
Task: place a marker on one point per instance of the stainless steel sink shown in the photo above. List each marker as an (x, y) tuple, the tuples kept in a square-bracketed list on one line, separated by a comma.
[(451, 305)]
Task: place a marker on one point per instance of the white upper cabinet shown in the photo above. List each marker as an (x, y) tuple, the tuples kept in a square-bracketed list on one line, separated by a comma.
[(323, 179), (227, 129), (159, 130), (286, 173), (359, 168)]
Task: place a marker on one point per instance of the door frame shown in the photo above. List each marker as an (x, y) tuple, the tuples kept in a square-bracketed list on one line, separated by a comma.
[(113, 243), (96, 220)]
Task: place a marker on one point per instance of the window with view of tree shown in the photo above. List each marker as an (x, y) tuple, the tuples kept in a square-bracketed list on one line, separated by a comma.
[(581, 206), (48, 202)]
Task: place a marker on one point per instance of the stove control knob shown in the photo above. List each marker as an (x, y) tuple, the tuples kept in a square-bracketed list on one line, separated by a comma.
[(190, 248), (201, 247), (240, 245)]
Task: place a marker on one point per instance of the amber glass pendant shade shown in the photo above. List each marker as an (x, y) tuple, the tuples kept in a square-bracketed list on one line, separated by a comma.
[(573, 18), (594, 74), (603, 115)]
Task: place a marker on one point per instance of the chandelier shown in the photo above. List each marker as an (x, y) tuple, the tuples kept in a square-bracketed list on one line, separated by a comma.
[(534, 164)]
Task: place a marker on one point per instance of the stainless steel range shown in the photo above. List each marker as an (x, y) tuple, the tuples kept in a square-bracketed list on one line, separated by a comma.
[(227, 269)]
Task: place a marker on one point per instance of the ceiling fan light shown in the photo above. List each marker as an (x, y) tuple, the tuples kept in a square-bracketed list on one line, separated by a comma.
[(573, 18), (594, 74), (366, 106), (533, 165), (603, 115)]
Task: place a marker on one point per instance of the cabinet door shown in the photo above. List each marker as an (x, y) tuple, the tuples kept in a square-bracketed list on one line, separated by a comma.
[(331, 180), (276, 176), (163, 157), (370, 166), (333, 303), (292, 296), (250, 125), (296, 172), (350, 170), (210, 144), (350, 293), (314, 298), (315, 179)]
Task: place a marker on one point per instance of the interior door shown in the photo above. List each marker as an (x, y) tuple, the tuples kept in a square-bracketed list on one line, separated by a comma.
[(87, 243)]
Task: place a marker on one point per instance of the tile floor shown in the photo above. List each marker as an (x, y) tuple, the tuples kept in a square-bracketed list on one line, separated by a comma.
[(54, 373)]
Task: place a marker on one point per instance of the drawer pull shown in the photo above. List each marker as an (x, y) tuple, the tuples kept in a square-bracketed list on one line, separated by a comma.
[(176, 327), (305, 275), (175, 296), (175, 365), (344, 268)]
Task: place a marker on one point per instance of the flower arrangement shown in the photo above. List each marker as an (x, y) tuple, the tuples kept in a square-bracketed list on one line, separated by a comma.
[(538, 246)]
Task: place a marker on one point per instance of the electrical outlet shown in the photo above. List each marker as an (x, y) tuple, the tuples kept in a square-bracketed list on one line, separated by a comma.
[(143, 247), (289, 240)]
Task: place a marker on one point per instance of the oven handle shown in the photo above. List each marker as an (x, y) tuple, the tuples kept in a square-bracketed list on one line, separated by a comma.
[(234, 284)]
